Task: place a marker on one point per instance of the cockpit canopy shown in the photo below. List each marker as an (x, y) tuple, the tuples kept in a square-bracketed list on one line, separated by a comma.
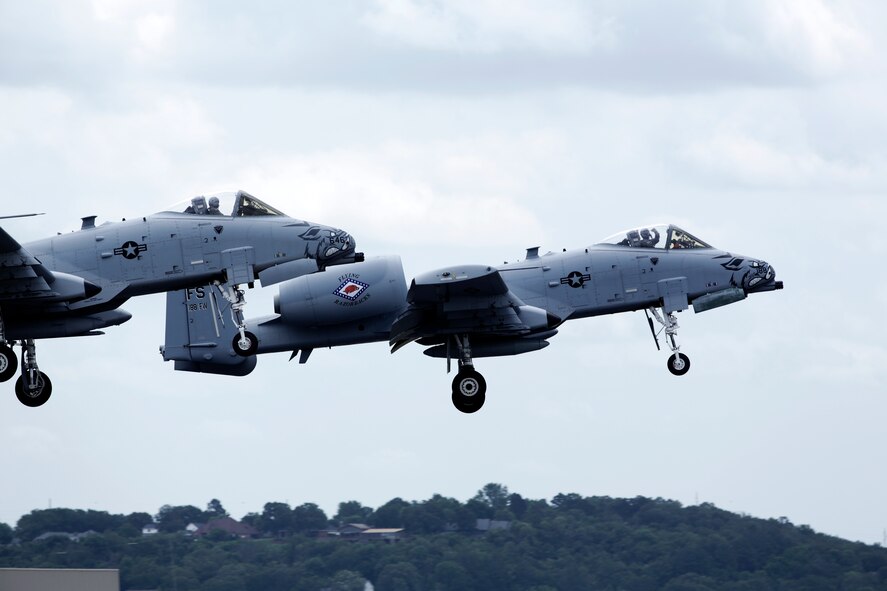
[(240, 204), (662, 236)]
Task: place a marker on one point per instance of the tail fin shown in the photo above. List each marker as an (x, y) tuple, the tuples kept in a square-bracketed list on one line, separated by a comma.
[(199, 331)]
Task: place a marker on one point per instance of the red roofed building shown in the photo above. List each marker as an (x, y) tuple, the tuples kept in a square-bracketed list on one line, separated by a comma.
[(232, 527)]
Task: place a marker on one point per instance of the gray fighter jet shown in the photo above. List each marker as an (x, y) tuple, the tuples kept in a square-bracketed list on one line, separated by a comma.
[(72, 284), (470, 311)]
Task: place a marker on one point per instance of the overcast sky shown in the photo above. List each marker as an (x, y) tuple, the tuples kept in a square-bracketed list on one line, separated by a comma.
[(464, 132)]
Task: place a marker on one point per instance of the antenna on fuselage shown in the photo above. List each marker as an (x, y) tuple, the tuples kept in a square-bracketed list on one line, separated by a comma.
[(21, 215)]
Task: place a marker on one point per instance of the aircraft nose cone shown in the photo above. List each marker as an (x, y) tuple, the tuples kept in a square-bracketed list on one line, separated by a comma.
[(337, 245), (760, 276)]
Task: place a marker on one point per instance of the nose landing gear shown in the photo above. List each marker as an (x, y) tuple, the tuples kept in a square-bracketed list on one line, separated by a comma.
[(244, 343), (678, 363)]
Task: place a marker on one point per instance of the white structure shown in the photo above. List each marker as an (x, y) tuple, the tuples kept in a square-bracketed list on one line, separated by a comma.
[(59, 579)]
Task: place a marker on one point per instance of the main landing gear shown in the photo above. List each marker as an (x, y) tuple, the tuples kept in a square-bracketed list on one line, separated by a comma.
[(678, 363), (469, 387), (33, 388), (244, 343), (8, 362)]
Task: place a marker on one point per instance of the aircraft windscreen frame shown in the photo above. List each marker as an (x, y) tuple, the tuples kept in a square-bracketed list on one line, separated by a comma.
[(660, 236), (239, 204)]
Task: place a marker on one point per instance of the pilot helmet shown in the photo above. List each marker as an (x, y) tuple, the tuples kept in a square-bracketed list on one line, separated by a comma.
[(214, 202)]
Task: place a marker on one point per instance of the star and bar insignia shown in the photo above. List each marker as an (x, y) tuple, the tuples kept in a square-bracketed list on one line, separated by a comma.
[(576, 279), (131, 249)]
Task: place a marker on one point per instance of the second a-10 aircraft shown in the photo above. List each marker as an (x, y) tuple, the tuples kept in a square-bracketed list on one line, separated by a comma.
[(464, 312), (73, 284)]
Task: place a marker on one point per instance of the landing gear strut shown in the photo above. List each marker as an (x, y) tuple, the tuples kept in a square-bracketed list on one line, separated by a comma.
[(244, 343), (678, 363), (33, 388), (469, 387)]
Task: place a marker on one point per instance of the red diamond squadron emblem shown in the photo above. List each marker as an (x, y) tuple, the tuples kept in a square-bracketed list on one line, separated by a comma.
[(351, 289)]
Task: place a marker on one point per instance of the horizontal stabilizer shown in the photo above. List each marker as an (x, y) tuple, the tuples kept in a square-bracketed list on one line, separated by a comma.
[(247, 365), (200, 330)]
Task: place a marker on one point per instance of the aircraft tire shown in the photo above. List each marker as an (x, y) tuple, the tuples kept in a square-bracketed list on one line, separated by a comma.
[(8, 362), (678, 364), (35, 398), (468, 405), (469, 391), (239, 347)]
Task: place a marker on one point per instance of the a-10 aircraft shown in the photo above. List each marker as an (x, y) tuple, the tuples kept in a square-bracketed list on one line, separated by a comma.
[(465, 312), (72, 284)]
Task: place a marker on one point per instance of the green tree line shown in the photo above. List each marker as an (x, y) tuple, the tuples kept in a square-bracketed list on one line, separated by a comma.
[(567, 543)]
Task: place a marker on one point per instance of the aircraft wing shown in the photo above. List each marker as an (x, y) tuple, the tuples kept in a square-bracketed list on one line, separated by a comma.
[(465, 300), (22, 276)]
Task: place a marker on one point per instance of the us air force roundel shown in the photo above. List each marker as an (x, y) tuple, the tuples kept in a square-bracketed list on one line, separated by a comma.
[(575, 279), (351, 289), (131, 249)]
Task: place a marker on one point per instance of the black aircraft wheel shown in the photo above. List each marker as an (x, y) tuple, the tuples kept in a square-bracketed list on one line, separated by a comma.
[(245, 346), (8, 362), (678, 364), (36, 396), (469, 391)]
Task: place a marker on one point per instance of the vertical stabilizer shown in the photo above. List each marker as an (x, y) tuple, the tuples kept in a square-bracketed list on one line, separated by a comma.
[(199, 331)]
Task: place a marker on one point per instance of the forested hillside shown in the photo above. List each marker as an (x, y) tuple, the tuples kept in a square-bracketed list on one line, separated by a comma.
[(568, 543)]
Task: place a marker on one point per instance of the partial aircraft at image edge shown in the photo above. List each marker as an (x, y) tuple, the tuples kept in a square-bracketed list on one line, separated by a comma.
[(73, 284), (464, 312)]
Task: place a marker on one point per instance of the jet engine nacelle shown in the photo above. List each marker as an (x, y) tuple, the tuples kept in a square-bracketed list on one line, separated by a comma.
[(69, 288), (343, 294)]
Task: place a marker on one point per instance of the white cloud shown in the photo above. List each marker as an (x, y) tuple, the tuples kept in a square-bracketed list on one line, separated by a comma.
[(143, 27), (812, 33), (138, 143), (404, 194), (153, 32), (750, 160), (491, 25)]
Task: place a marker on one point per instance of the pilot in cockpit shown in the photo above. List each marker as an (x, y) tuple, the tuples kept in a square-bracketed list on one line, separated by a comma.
[(648, 240), (199, 206), (641, 239), (213, 208)]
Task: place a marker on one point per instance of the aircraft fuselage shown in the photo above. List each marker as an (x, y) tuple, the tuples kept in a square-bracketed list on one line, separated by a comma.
[(162, 252), (604, 279)]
